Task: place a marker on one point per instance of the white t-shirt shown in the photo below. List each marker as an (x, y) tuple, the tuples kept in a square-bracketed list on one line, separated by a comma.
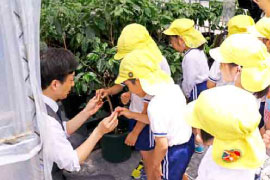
[(195, 69), (215, 74), (209, 170), (166, 115), (136, 103)]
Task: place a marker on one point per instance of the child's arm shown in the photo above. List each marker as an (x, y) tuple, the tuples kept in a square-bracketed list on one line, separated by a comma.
[(161, 147), (132, 115), (133, 135), (110, 91)]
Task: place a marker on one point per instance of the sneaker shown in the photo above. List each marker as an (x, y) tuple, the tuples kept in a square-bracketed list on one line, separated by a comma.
[(199, 148), (138, 172)]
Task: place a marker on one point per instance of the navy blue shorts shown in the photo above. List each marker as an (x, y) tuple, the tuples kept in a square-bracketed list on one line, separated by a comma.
[(177, 159), (145, 141), (196, 91)]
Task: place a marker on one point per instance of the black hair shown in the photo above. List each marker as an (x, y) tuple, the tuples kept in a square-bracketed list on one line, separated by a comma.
[(56, 64), (232, 65), (262, 93), (206, 136)]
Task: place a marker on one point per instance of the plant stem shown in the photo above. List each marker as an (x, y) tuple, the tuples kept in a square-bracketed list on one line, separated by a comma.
[(111, 109), (64, 41)]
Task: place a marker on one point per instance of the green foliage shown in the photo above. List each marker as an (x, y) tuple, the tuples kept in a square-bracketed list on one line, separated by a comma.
[(90, 28)]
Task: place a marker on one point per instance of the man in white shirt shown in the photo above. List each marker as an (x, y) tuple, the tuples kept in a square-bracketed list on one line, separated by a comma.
[(57, 79)]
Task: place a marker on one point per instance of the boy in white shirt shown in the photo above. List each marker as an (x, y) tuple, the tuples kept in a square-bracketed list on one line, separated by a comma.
[(174, 142)]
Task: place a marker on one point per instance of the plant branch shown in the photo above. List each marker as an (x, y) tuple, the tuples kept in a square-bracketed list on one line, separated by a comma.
[(64, 41)]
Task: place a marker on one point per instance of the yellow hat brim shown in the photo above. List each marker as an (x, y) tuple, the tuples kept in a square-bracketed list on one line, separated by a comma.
[(119, 56), (120, 80), (252, 151), (153, 83), (217, 56), (255, 79), (169, 32)]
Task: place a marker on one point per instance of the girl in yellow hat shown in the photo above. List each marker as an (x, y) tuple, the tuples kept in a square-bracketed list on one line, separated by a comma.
[(185, 38)]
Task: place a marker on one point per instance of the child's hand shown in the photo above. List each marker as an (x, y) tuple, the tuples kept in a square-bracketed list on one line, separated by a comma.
[(124, 112), (131, 139), (102, 93), (125, 97)]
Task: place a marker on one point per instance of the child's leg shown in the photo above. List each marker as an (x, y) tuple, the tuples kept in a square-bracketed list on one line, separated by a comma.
[(146, 155), (177, 159)]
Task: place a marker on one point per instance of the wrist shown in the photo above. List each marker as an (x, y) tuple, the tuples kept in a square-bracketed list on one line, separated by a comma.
[(109, 92), (87, 113), (98, 133), (135, 132)]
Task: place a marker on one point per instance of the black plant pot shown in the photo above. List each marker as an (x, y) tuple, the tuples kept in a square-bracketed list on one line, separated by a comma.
[(114, 149)]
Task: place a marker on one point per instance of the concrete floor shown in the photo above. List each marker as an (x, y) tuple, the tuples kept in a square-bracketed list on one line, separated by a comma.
[(95, 164)]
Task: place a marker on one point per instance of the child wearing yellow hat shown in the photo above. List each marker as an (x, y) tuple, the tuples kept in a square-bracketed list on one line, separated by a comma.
[(236, 25), (263, 27), (174, 142), (136, 36), (247, 51), (185, 38), (230, 115)]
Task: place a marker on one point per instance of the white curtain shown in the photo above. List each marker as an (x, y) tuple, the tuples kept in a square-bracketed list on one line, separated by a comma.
[(22, 127)]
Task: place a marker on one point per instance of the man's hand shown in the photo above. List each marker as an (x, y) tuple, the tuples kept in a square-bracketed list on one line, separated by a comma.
[(266, 139), (102, 93), (125, 97), (94, 105), (108, 124), (131, 139)]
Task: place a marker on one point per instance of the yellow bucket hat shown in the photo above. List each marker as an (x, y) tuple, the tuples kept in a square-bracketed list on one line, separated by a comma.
[(256, 79), (263, 27), (140, 64), (135, 36), (240, 24), (231, 115), (242, 49), (185, 29)]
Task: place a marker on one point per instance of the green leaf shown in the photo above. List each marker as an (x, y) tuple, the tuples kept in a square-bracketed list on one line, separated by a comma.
[(89, 32), (58, 26)]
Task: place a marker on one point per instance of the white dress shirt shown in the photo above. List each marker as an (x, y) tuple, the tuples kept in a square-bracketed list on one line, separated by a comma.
[(60, 149), (54, 106)]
